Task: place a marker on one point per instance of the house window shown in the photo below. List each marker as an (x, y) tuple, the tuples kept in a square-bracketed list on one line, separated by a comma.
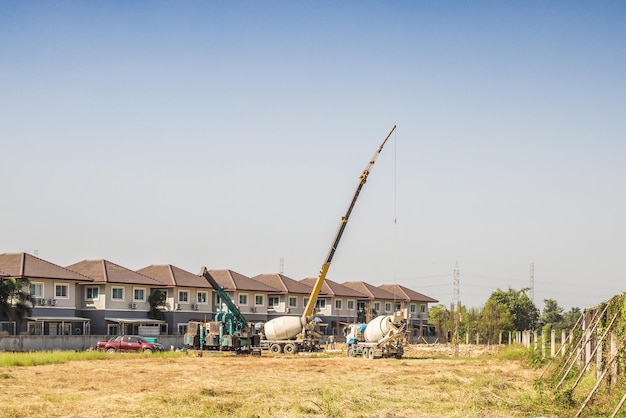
[(183, 296), (202, 297), (258, 300), (139, 294), (423, 308), (306, 301), (243, 299), (35, 328), (273, 301), (377, 306), (36, 290), (320, 304), (182, 329), (338, 304), (350, 305), (92, 293), (293, 301), (387, 307), (61, 291), (117, 293), (413, 308)]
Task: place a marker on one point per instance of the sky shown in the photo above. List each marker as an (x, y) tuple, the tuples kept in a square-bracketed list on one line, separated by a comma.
[(232, 135)]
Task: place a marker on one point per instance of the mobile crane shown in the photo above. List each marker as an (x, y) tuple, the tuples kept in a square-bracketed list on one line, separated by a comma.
[(229, 331), (291, 333)]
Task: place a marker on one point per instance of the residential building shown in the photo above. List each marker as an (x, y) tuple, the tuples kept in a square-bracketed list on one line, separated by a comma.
[(53, 290), (288, 299), (117, 300), (188, 296), (415, 306)]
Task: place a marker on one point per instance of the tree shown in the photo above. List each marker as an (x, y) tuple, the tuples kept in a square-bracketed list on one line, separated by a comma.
[(15, 300), (522, 311), (440, 316), (156, 299), (495, 319), (552, 312)]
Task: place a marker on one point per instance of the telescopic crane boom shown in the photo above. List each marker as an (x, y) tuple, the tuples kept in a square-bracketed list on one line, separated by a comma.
[(308, 311)]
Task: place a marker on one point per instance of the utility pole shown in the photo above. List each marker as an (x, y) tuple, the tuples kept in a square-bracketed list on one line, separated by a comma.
[(532, 282), (456, 305)]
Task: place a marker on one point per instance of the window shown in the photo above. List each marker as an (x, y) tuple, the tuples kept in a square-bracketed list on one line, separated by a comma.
[(413, 308), (183, 296), (36, 290), (258, 300), (92, 293), (387, 307), (273, 301), (338, 304), (350, 305), (320, 304), (139, 294), (423, 308), (117, 293), (293, 301), (61, 291), (35, 328), (182, 329), (306, 301), (243, 299), (377, 306), (202, 297)]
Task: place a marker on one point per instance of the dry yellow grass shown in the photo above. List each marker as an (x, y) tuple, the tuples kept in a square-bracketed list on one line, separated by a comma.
[(273, 386)]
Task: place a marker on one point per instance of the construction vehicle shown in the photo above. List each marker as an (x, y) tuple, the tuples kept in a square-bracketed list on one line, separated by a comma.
[(229, 331), (291, 334), (382, 337)]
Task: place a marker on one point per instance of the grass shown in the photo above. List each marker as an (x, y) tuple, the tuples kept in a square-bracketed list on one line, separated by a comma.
[(320, 385), (38, 358)]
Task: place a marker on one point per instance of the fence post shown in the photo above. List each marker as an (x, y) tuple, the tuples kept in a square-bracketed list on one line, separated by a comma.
[(563, 343), (552, 343), (613, 349)]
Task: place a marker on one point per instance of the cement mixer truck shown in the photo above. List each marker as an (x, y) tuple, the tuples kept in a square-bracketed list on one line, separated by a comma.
[(382, 337), (290, 334)]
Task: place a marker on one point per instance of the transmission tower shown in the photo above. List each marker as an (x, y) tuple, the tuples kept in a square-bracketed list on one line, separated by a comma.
[(532, 282), (456, 309)]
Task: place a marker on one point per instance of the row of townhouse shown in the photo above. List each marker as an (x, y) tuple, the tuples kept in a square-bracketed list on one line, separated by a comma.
[(99, 297)]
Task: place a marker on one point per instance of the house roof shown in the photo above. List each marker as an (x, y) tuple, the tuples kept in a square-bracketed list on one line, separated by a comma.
[(24, 265), (283, 283), (174, 276), (401, 292), (103, 271), (231, 280), (370, 290), (330, 288)]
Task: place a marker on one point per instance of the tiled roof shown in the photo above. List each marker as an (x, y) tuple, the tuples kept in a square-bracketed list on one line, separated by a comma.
[(24, 265), (404, 293), (330, 288), (283, 283), (174, 276), (370, 290), (231, 280), (103, 271)]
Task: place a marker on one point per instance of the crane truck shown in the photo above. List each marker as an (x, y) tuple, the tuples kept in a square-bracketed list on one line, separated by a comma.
[(290, 334), (229, 331)]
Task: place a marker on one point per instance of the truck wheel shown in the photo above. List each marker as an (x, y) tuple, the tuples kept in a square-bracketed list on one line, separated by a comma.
[(111, 350), (350, 352), (275, 348), (366, 352), (148, 351), (370, 354), (290, 349)]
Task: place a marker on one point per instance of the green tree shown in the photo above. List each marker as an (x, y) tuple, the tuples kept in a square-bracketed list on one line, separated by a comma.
[(522, 311), (440, 317), (156, 300), (552, 312), (496, 318), (15, 300)]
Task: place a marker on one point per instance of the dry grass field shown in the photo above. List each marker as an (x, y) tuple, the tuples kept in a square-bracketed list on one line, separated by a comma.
[(424, 384)]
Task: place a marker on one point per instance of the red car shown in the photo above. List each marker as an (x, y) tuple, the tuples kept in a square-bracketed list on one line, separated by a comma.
[(128, 343)]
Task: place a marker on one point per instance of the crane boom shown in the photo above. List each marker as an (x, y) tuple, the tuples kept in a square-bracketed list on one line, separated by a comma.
[(308, 311)]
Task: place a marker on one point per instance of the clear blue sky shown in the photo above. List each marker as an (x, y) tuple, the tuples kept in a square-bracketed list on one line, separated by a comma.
[(233, 134)]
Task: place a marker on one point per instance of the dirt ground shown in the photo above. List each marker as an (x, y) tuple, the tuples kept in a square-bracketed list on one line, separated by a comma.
[(423, 384)]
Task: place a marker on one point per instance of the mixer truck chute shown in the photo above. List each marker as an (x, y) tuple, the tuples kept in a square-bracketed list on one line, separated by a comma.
[(304, 330)]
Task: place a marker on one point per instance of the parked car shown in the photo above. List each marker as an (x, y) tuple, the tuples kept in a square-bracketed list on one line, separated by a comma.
[(128, 343)]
